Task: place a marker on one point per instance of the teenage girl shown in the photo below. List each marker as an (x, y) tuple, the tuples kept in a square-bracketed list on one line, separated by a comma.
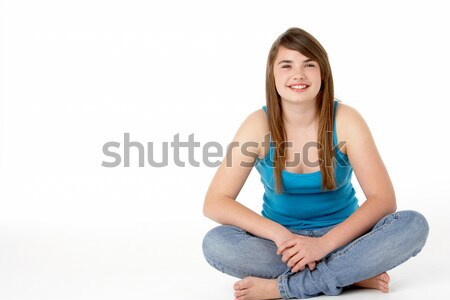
[(312, 237)]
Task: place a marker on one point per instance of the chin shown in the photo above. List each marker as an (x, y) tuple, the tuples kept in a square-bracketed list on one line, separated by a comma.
[(299, 100)]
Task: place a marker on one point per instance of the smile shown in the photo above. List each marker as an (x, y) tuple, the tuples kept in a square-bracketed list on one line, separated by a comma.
[(299, 88)]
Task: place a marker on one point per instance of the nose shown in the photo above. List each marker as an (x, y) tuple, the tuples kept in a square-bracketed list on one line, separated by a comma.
[(299, 75)]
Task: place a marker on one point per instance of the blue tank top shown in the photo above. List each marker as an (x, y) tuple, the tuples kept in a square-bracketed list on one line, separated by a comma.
[(303, 204)]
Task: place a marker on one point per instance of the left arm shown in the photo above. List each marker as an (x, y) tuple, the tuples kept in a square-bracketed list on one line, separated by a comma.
[(377, 187), (372, 177)]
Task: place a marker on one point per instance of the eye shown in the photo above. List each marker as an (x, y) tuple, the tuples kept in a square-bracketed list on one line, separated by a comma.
[(310, 65), (285, 66)]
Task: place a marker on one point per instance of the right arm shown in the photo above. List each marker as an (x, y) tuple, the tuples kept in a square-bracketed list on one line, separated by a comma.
[(220, 203)]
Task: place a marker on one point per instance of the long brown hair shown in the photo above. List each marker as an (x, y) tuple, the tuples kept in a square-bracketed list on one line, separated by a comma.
[(299, 40)]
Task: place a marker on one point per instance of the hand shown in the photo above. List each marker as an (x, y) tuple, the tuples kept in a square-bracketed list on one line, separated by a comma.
[(288, 236), (301, 251)]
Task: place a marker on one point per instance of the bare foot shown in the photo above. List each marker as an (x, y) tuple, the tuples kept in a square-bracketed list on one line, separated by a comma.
[(379, 282), (251, 288)]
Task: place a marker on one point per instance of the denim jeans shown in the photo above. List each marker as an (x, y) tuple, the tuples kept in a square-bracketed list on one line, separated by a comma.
[(392, 241)]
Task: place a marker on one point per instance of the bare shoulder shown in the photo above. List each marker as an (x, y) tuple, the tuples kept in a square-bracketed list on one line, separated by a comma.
[(349, 124), (240, 158), (258, 118), (254, 129), (364, 157)]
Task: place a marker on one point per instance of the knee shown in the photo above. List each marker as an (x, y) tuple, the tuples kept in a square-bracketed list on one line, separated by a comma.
[(216, 241), (417, 225)]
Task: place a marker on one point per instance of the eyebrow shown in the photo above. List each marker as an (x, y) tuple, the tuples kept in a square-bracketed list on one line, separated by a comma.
[(290, 61)]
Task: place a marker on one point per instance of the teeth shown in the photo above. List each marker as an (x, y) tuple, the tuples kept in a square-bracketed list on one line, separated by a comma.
[(298, 87)]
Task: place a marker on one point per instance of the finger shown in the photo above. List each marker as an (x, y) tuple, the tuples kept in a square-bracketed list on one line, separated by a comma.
[(312, 266), (289, 253), (294, 260), (300, 266), (285, 245)]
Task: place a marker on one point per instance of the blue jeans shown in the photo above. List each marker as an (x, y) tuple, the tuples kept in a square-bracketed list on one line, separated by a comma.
[(392, 241)]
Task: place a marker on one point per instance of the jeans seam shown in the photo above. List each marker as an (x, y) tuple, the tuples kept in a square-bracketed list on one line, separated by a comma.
[(362, 238)]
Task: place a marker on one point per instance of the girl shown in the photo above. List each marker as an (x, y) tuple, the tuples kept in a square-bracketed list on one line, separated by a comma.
[(312, 237)]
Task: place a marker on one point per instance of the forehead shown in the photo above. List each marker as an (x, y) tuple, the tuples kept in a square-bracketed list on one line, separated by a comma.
[(288, 54)]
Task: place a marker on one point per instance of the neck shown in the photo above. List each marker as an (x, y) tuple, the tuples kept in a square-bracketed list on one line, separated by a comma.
[(299, 115)]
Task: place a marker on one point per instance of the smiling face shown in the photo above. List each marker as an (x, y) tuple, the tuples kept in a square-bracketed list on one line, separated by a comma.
[(297, 77)]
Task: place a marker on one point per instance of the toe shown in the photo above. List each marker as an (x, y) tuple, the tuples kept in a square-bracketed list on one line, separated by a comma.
[(384, 277), (245, 283), (242, 297), (240, 293), (383, 286)]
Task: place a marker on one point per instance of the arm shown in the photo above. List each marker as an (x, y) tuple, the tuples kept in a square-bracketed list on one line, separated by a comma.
[(374, 180), (220, 203), (372, 177)]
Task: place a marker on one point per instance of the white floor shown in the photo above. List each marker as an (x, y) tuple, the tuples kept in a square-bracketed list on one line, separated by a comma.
[(139, 262), (77, 75)]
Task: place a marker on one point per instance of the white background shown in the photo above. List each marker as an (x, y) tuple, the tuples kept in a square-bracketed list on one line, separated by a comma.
[(78, 74)]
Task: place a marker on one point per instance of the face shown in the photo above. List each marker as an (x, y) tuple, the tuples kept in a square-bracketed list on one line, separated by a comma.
[(297, 77)]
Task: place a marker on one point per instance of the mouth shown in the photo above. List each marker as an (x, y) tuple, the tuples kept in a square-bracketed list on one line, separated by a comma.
[(298, 87)]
